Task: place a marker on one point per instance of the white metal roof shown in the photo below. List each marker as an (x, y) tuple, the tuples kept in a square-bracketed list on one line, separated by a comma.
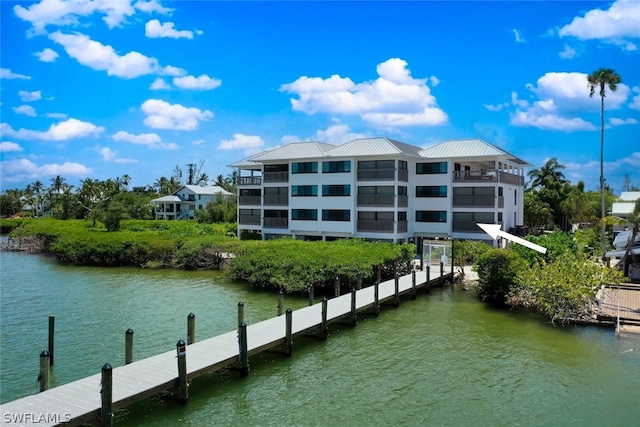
[(473, 147), (205, 189), (629, 196), (164, 199), (295, 150), (373, 147)]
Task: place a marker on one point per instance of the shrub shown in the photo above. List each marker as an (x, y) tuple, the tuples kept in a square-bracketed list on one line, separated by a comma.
[(497, 271)]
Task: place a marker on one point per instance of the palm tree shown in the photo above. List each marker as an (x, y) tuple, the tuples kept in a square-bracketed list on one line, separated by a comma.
[(602, 78), (549, 173)]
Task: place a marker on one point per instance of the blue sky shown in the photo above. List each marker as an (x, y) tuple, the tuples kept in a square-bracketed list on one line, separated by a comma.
[(99, 89)]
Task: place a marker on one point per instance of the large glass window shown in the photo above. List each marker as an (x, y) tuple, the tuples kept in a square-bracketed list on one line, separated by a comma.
[(336, 167), (336, 190), (336, 215), (431, 191), (431, 216), (304, 214), (304, 167), (304, 190), (431, 168)]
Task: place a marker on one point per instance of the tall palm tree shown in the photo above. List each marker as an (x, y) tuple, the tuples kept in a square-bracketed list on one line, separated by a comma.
[(602, 78), (549, 173)]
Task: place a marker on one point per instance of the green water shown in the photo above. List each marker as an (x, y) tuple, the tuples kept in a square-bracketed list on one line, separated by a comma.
[(443, 359)]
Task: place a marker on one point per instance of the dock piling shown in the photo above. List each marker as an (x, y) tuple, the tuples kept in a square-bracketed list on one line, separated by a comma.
[(376, 305), (288, 341), (441, 268), (310, 295), (52, 324), (240, 312), (191, 328), (428, 287), (353, 306), (414, 292), (106, 396), (337, 286), (181, 349), (280, 301), (359, 281), (45, 364), (128, 346), (397, 289), (323, 325), (243, 353)]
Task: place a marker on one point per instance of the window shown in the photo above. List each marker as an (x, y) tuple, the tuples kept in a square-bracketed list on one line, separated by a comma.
[(402, 165), (275, 191), (402, 191), (515, 197), (276, 214), (304, 214), (499, 216), (431, 191), (500, 191), (431, 168), (336, 167), (336, 215), (304, 190), (250, 212), (375, 190), (250, 192), (375, 216), (304, 167), (376, 164), (402, 216), (336, 190), (431, 216), (192, 207), (199, 207), (276, 168)]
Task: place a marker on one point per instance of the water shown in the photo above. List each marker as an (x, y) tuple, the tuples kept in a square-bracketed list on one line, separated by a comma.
[(443, 359)]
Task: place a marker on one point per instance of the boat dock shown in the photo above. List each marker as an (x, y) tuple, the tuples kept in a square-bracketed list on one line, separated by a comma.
[(620, 303), (97, 396)]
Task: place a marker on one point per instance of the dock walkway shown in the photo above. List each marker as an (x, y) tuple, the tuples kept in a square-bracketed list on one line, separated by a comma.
[(622, 301), (80, 401)]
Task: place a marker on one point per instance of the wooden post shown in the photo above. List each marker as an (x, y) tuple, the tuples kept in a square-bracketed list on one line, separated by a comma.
[(181, 349), (191, 328), (243, 354), (323, 326), (45, 363), (310, 295), (288, 341), (280, 301), (337, 286), (414, 292), (397, 289), (376, 306), (128, 346), (52, 324), (441, 268), (106, 396), (359, 281), (240, 312), (353, 306), (428, 277)]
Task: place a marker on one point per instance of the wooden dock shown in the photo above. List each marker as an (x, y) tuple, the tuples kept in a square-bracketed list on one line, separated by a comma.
[(620, 302), (81, 401)]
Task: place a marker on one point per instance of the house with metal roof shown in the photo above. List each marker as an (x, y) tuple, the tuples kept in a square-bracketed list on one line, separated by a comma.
[(380, 189), (185, 201)]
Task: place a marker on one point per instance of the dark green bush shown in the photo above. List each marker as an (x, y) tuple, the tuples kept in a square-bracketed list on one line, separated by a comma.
[(497, 271)]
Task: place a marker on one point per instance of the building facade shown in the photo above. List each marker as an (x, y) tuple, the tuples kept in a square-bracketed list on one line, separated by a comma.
[(185, 201), (380, 189)]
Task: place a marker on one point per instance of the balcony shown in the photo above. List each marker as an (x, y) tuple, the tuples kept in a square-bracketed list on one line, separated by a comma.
[(276, 200), (509, 178), (466, 227), (250, 200), (403, 201), (276, 176), (403, 175), (250, 180), (249, 220), (490, 175), (402, 226), (367, 200), (276, 223), (375, 226), (476, 201), (376, 174)]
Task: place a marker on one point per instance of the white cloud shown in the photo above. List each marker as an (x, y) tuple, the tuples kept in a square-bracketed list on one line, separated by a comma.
[(159, 84), (518, 36), (568, 52), (170, 70), (162, 115), (202, 82), (8, 147), (498, 107), (109, 155), (615, 121), (337, 134), (434, 81), (142, 139), (152, 6), (30, 96), (47, 55), (550, 121), (395, 98), (103, 57), (25, 110), (154, 29), (241, 142), (635, 101), (6, 73), (60, 116), (26, 170), (69, 129), (614, 25), (67, 12)]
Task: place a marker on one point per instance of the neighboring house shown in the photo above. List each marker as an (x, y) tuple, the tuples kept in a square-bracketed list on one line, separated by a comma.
[(623, 207), (380, 189), (185, 201)]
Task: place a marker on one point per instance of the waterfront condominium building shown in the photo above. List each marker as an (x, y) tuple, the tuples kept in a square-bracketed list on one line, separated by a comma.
[(380, 189)]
